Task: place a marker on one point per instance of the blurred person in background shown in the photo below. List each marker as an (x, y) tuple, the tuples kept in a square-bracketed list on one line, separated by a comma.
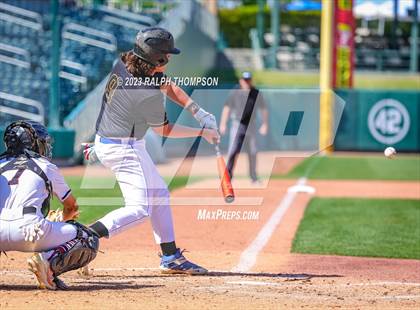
[(240, 107)]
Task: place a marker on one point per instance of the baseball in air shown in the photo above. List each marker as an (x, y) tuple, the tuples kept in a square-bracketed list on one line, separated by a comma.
[(390, 152)]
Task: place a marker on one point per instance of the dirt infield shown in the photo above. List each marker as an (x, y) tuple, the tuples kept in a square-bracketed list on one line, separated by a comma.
[(126, 275)]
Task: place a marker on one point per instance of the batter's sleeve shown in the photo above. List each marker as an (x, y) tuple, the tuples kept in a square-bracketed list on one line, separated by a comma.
[(59, 185), (153, 111)]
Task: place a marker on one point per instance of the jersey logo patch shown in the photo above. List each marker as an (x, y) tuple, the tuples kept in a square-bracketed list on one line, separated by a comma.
[(110, 88)]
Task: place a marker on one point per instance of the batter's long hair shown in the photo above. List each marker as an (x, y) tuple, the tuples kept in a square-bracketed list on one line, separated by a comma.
[(136, 66)]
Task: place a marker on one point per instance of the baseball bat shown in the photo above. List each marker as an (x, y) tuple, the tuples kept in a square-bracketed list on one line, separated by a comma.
[(225, 182)]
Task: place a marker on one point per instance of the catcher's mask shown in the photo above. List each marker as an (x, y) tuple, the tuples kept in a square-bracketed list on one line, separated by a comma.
[(27, 135), (153, 45)]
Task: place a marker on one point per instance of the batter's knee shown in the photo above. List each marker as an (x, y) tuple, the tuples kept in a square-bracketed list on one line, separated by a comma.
[(138, 210), (159, 197)]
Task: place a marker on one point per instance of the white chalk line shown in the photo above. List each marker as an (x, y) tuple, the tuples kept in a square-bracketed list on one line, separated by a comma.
[(286, 283), (24, 272), (304, 296), (20, 271), (400, 297), (249, 256), (254, 283), (127, 269), (237, 287)]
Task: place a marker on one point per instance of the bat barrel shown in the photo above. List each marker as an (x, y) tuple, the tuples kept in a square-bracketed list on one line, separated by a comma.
[(225, 182)]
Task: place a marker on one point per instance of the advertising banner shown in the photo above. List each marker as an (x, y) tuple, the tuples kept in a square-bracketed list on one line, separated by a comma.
[(343, 44)]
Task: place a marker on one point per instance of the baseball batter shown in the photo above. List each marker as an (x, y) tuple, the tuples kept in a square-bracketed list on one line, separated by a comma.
[(27, 181), (130, 107)]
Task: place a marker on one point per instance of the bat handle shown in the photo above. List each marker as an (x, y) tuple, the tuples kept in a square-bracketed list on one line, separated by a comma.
[(216, 147)]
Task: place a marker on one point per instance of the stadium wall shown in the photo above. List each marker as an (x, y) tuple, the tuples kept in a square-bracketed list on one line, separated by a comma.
[(374, 119), (370, 120)]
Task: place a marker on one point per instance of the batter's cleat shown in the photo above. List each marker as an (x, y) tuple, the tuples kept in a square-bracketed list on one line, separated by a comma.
[(178, 264), (40, 266)]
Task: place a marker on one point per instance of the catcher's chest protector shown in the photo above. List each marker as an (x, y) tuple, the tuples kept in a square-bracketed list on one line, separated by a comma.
[(22, 163)]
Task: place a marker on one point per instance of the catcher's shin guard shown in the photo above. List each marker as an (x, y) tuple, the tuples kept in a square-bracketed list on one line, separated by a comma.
[(76, 253)]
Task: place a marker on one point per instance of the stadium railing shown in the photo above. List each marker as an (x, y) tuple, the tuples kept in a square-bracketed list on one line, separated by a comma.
[(133, 17), (5, 55), (12, 105), (83, 34), (20, 16)]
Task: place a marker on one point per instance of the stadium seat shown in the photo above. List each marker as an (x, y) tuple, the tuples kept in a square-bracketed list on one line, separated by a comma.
[(33, 82)]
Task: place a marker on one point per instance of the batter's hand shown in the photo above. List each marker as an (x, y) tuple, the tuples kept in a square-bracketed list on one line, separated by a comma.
[(89, 152), (211, 136), (206, 119)]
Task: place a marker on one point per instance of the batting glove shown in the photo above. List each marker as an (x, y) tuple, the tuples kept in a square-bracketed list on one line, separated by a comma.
[(32, 232), (89, 152), (206, 119)]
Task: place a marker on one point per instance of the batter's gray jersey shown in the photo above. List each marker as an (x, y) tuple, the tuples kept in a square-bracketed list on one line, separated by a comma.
[(130, 105)]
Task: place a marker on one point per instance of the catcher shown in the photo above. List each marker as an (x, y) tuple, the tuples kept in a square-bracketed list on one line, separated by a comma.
[(27, 181)]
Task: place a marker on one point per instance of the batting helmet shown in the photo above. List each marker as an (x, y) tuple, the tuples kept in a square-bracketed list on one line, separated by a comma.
[(27, 135), (153, 46)]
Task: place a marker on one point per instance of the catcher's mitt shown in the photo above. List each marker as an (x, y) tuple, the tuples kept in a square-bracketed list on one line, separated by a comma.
[(55, 216)]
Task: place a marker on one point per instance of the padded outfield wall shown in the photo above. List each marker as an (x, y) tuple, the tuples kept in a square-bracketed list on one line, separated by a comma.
[(365, 120), (375, 119)]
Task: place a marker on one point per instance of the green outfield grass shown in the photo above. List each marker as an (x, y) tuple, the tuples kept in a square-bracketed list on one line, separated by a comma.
[(362, 80), (358, 168), (88, 214), (360, 227)]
